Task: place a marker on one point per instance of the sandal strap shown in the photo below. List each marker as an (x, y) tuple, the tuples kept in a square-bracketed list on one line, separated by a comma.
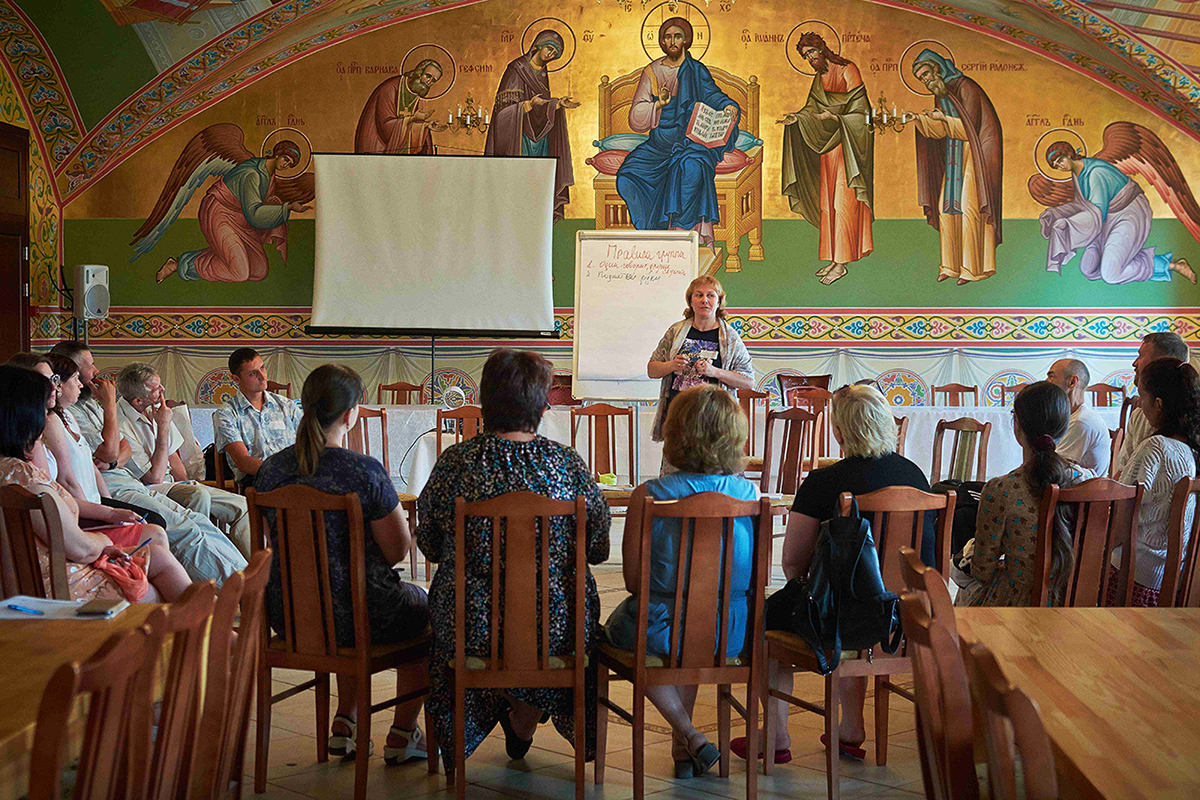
[(412, 737), (349, 723)]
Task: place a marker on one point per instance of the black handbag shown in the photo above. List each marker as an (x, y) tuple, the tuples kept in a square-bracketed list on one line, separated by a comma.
[(842, 603)]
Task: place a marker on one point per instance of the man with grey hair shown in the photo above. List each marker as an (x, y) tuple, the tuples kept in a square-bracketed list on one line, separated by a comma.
[(1086, 442), (146, 423), (1165, 344)]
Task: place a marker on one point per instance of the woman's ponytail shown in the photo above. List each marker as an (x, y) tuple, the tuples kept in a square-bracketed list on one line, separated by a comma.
[(329, 392)]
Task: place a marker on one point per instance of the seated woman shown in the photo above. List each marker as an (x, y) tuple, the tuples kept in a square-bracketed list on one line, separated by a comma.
[(40, 455), (509, 456), (1169, 396), (704, 439), (865, 429), (397, 611), (23, 398)]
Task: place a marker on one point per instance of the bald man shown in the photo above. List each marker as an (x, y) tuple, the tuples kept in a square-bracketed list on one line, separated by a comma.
[(1086, 442)]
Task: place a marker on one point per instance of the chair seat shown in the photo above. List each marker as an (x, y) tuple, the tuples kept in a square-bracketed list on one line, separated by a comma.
[(556, 662), (278, 644), (797, 644), (405, 497), (626, 657)]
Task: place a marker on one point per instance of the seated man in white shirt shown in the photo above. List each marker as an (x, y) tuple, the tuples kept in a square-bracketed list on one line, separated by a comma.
[(1087, 441), (145, 422), (254, 424), (1137, 430)]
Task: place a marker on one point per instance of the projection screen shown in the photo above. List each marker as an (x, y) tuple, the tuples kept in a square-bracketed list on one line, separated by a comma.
[(433, 243)]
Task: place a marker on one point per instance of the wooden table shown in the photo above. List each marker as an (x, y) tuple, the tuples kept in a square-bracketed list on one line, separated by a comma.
[(32, 651), (1118, 688)]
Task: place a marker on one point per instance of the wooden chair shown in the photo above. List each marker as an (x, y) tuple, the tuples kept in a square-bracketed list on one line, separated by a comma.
[(524, 628), (815, 400), (901, 433), (943, 700), (955, 394), (783, 470), (408, 502), (919, 577), (897, 517), (1012, 725), (309, 641), (700, 629), (1103, 394), (970, 444), (115, 753), (359, 437), (788, 382), (217, 771), (1104, 517), (1007, 392), (229, 484), (1127, 406), (1116, 439), (397, 389), (561, 388), (284, 389), (187, 623), (602, 437), (1179, 586), (468, 424), (20, 570), (750, 401)]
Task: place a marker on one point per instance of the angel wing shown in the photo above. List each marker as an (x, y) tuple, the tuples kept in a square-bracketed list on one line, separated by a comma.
[(300, 189), (213, 151), (1138, 151), (1048, 192)]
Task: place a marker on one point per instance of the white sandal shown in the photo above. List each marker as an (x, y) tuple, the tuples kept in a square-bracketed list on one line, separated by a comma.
[(345, 745), (398, 755)]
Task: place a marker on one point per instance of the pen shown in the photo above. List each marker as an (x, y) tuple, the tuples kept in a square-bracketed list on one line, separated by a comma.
[(25, 610)]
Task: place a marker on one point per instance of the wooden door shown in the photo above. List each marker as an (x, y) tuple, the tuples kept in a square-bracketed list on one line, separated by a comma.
[(14, 240)]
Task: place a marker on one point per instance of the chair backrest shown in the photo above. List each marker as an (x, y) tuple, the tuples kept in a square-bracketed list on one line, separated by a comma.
[(815, 400), (1104, 518), (955, 394), (397, 389), (944, 726), (901, 434), (796, 453), (468, 424), (1127, 407), (703, 584), (1007, 392), (20, 570), (187, 622), (1179, 585), (359, 437), (561, 387), (920, 578), (1012, 726), (750, 401), (1103, 394), (520, 575), (897, 517), (1116, 439), (970, 444), (601, 419), (210, 742), (284, 389), (788, 382), (301, 547), (116, 741)]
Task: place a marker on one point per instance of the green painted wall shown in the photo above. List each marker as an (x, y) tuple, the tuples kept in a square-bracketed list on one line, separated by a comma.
[(900, 273)]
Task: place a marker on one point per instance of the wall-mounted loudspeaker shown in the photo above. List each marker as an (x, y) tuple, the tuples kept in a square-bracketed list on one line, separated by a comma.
[(91, 291)]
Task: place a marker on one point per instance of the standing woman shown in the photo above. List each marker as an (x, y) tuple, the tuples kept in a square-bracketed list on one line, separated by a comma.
[(701, 348)]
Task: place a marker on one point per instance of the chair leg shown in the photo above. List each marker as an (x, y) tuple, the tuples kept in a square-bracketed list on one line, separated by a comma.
[(362, 741), (832, 735), (723, 709), (639, 741), (769, 733), (580, 731), (431, 743), (262, 732), (753, 744), (882, 696), (460, 740), (601, 723), (322, 717)]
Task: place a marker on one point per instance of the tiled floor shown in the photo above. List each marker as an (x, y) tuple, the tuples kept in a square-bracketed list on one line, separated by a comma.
[(548, 770)]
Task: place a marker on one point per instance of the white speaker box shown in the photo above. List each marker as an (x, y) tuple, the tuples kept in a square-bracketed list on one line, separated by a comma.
[(91, 291)]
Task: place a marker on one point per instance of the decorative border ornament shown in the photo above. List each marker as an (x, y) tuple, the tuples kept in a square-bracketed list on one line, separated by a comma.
[(903, 387), (993, 390)]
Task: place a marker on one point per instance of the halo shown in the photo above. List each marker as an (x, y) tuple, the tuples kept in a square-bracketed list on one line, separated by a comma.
[(558, 26), (1039, 152), (906, 62), (296, 137), (701, 31), (437, 53), (798, 62)]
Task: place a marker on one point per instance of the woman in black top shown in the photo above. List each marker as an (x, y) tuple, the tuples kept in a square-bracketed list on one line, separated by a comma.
[(866, 430)]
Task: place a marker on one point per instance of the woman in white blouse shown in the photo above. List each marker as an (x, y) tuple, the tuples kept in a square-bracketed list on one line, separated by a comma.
[(1169, 396)]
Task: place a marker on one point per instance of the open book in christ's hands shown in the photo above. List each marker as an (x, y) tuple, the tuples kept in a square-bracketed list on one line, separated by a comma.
[(709, 127)]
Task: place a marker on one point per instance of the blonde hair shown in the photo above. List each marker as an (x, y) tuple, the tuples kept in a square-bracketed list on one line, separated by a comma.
[(865, 419), (704, 280), (705, 432)]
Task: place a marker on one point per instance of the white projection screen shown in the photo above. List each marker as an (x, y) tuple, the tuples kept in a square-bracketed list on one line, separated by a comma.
[(439, 244)]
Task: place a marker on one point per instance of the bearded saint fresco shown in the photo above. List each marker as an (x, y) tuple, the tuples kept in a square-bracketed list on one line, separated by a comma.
[(669, 181), (960, 167), (395, 119), (829, 159), (528, 121)]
